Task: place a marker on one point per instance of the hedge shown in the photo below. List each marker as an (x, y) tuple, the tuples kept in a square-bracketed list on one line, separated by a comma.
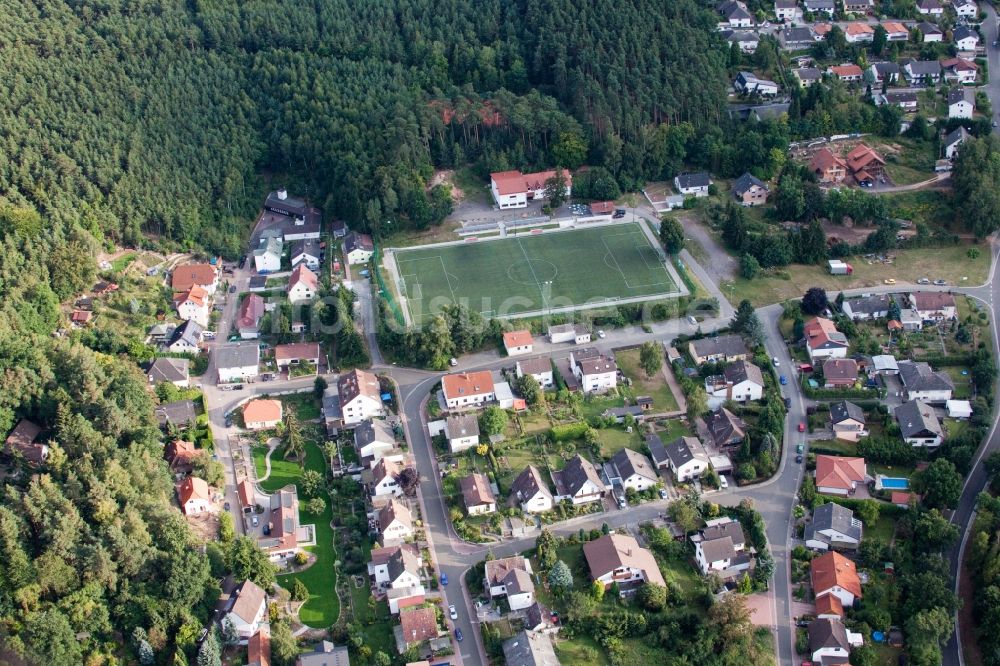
[(950, 360), (838, 394), (569, 431), (885, 509)]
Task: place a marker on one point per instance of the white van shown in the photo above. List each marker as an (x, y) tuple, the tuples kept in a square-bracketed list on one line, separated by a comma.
[(722, 482)]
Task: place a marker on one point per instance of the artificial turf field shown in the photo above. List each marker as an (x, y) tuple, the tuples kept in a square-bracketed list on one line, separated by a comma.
[(531, 273)]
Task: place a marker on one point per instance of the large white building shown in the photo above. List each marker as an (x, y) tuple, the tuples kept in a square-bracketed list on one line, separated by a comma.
[(513, 189), (237, 362), (595, 371), (468, 389), (360, 397)]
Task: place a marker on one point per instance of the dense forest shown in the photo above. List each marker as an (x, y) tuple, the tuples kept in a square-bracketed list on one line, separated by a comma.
[(162, 118)]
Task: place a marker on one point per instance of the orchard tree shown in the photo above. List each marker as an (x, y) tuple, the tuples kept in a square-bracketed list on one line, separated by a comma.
[(652, 597), (247, 561), (493, 420)]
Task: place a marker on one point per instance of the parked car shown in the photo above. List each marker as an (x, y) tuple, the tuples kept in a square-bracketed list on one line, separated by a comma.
[(782, 380), (798, 459), (800, 447), (776, 362), (939, 282), (208, 335), (452, 613), (255, 520), (601, 334), (243, 261), (620, 212), (663, 494), (722, 481), (232, 289), (924, 281), (458, 634), (444, 579), (889, 281), (225, 506), (453, 362), (692, 321), (802, 427), (788, 403)]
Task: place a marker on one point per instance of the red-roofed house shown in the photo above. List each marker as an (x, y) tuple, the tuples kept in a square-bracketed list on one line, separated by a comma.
[(302, 285), (468, 389), (205, 276), (518, 342), (192, 305), (194, 496), (21, 441), (859, 32), (259, 648), (832, 573), (829, 607), (845, 72), (250, 313), (828, 167), (296, 353), (418, 625), (840, 475), (865, 163), (261, 414), (902, 499), (513, 189), (823, 340), (180, 455)]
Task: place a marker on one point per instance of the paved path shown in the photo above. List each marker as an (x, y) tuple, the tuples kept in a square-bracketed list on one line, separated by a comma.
[(267, 463), (675, 388)]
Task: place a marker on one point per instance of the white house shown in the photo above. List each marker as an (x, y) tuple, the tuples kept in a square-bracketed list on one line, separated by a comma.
[(933, 305), (462, 432), (734, 14), (384, 481), (687, 458), (721, 548), (513, 189), (467, 389), (530, 492), (395, 566), (395, 522), (267, 257), (306, 252), (518, 342), (360, 397), (634, 469), (236, 362), (619, 559), (966, 39), (694, 184), (918, 424), (953, 141), (595, 371), (748, 83), (578, 482), (373, 436), (185, 339), (787, 10), (959, 409), (358, 248), (930, 8), (829, 642), (477, 494), (246, 609), (262, 414), (539, 367), (823, 340), (920, 382), (832, 573), (833, 526), (171, 370), (303, 285), (741, 381), (192, 305), (961, 103), (194, 496), (966, 9), (510, 577), (575, 333)]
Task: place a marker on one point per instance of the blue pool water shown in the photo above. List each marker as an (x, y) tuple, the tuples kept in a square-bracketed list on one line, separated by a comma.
[(895, 484)]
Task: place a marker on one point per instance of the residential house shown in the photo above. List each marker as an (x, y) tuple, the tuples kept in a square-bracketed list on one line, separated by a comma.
[(858, 33), (467, 389), (787, 10), (722, 348), (180, 456), (180, 413), (859, 6), (575, 333), (694, 184), (847, 72), (965, 9), (820, 6), (170, 370), (933, 305), (840, 373), (883, 364), (22, 442), (462, 432), (267, 257), (959, 70), (358, 248), (578, 482), (280, 203), (404, 570), (395, 522), (746, 40), (510, 577), (325, 654), (829, 168), (518, 342), (828, 607), (160, 332), (360, 397), (257, 283), (875, 306), (297, 353), (593, 370), (904, 99), (961, 103), (865, 164), (303, 285), (720, 548), (895, 31), (734, 14), (848, 421), (477, 494), (634, 469), (930, 8), (103, 288), (236, 362), (959, 409), (250, 313), (885, 72), (513, 189), (750, 190), (194, 496), (529, 648), (724, 428), (192, 305), (929, 32), (953, 140), (539, 367), (797, 38), (657, 451), (281, 537), (746, 83), (373, 437), (262, 414), (922, 72), (823, 340), (259, 647), (306, 252), (530, 492), (246, 609), (840, 475), (417, 625), (807, 76), (384, 475), (744, 382), (187, 276), (918, 424), (828, 643), (686, 458), (617, 559), (833, 526), (832, 573), (920, 382), (186, 338), (966, 39)]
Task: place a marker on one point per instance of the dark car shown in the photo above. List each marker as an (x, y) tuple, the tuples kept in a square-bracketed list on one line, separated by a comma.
[(226, 506), (232, 290), (788, 403), (458, 634), (619, 213), (798, 459), (243, 261)]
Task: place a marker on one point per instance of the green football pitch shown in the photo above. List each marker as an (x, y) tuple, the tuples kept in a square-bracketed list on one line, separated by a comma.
[(534, 273)]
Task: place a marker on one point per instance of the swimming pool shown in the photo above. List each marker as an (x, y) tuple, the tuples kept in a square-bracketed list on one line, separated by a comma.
[(891, 483)]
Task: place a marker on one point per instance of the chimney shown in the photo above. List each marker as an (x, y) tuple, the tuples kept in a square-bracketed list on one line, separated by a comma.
[(282, 194)]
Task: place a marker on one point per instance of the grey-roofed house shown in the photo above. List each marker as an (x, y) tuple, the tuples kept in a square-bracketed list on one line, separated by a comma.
[(726, 348), (807, 75), (634, 469), (721, 548), (904, 99), (745, 381), (920, 71), (922, 383), (693, 184), (179, 413), (373, 437), (235, 362), (885, 71), (797, 37), (687, 458), (918, 424), (578, 482), (826, 6), (186, 338), (848, 421), (530, 492), (461, 431), (746, 40), (657, 451), (828, 642), (750, 190), (724, 428), (961, 103), (953, 140), (171, 370), (833, 526), (325, 654), (529, 648), (875, 306)]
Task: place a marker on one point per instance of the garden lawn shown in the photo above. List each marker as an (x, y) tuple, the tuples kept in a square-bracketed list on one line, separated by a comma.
[(306, 406), (883, 530), (614, 439), (836, 446), (122, 262), (963, 383), (674, 429), (581, 651), (377, 630), (655, 386)]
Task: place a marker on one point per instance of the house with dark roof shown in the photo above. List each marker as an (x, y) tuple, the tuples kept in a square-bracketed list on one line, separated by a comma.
[(848, 421), (360, 396), (510, 577), (461, 431), (741, 381), (657, 451), (171, 370), (619, 559), (181, 413), (746, 40), (953, 140), (578, 482), (686, 458), (372, 437), (721, 348), (820, 6), (634, 469), (720, 548), (477, 494), (529, 648), (920, 72), (920, 382), (325, 654), (693, 184), (236, 362), (885, 71), (358, 248), (918, 424), (933, 305), (595, 371), (724, 428), (750, 190), (840, 373), (828, 642), (961, 103), (530, 492), (874, 306), (798, 37), (306, 251), (734, 14), (22, 442), (540, 368), (833, 526), (965, 38), (395, 523), (185, 339)]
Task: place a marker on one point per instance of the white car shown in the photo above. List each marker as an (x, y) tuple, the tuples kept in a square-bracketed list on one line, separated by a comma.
[(692, 321), (722, 482), (452, 613), (453, 362), (601, 334), (776, 361)]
